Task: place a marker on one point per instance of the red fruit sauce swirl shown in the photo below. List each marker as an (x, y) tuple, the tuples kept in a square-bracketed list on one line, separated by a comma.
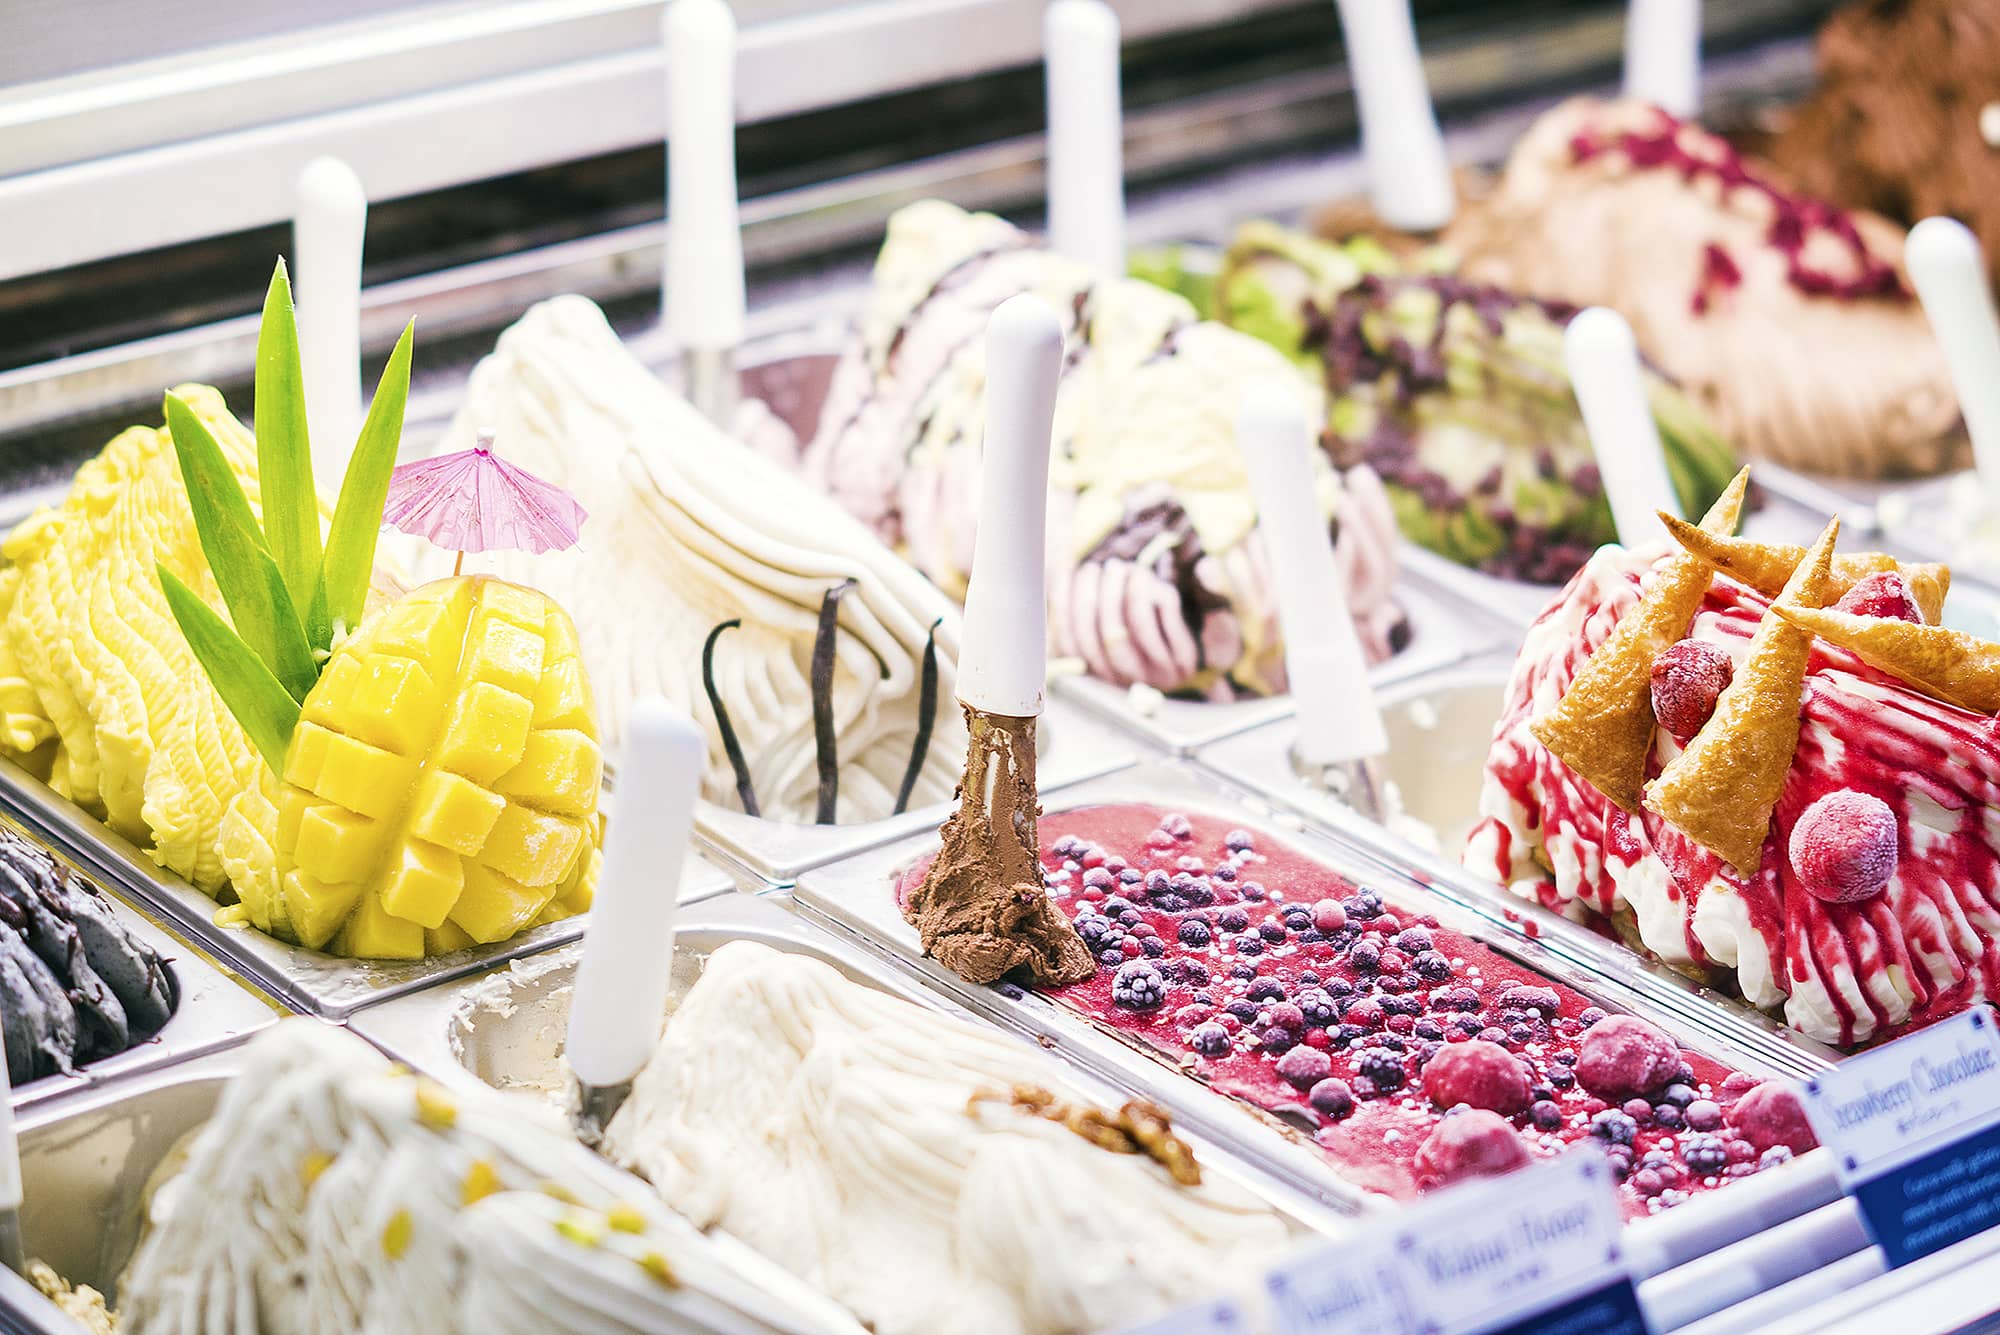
[(1084, 852), (1796, 220), (1936, 766)]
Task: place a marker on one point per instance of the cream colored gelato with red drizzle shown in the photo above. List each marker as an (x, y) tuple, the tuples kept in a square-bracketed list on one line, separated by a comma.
[(1877, 904)]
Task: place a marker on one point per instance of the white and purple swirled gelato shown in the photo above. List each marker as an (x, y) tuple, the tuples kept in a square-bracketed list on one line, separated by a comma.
[(1157, 575)]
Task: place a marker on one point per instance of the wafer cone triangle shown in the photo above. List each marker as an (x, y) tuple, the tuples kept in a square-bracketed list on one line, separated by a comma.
[(1603, 727), (1948, 665), (1721, 790), (1765, 566)]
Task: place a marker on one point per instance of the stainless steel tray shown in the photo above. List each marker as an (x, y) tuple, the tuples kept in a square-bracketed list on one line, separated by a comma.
[(1444, 628), (305, 980), (522, 1011), (214, 1008), (859, 896)]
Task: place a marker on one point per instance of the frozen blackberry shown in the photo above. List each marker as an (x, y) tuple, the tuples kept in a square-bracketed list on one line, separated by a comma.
[(1382, 1066), (1317, 1007), (1249, 944), (1704, 1155), (1243, 971), (1614, 1126), (1431, 966), (1139, 986), (1366, 956), (1192, 972), (1153, 946), (1209, 1040), (1363, 904), (1113, 957)]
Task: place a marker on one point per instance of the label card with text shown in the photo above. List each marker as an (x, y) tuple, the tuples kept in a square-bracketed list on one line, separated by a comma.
[(1914, 1129), (1533, 1253)]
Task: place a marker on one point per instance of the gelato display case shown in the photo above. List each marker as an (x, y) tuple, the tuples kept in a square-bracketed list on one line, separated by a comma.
[(671, 340)]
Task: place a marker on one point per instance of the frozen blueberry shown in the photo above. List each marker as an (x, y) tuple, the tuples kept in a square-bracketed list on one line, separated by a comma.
[(1381, 1065), (1545, 1115), (1210, 1040), (1561, 1077), (1679, 1095), (1520, 1033), (1704, 1155), (1428, 1029), (1456, 999), (1130, 919), (1273, 932), (1237, 841), (1177, 825), (1232, 919), (1703, 1114), (1069, 846), (1620, 1160), (1117, 906), (1131, 876), (1614, 1126), (1157, 882), (1139, 986), (1277, 1038), (1296, 916), (1337, 987), (1544, 1001), (1307, 978), (1243, 971), (1194, 932), (1225, 872), (1253, 892), (1245, 1011), (1332, 1098), (1589, 1016), (1668, 1117), (1199, 892)]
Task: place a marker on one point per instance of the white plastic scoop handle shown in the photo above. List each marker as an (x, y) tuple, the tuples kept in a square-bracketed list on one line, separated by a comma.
[(1338, 719), (1004, 654), (1086, 134), (1663, 54), (1409, 176), (1603, 365), (1949, 270), (628, 949), (703, 283), (329, 221)]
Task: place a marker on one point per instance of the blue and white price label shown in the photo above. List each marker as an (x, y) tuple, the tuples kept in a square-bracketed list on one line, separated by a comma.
[(1533, 1253), (1914, 1128)]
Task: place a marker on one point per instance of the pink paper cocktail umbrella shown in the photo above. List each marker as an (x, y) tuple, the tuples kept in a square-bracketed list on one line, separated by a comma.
[(475, 501)]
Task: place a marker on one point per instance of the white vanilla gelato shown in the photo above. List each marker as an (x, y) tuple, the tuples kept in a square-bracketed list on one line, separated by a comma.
[(688, 529), (842, 1132), (334, 1193)]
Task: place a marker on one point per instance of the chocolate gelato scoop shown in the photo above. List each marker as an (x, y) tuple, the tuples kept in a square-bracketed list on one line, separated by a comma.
[(1906, 116), (981, 910)]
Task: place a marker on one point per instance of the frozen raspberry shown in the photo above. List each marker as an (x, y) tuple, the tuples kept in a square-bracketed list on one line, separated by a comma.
[(1771, 1115), (1477, 1074), (1302, 1068), (1471, 1144), (1882, 595), (1687, 679), (1622, 1057), (1845, 846)]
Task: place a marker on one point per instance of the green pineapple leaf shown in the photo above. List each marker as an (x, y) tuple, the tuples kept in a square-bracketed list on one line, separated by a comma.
[(268, 713), (357, 517), (284, 454), (267, 620)]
